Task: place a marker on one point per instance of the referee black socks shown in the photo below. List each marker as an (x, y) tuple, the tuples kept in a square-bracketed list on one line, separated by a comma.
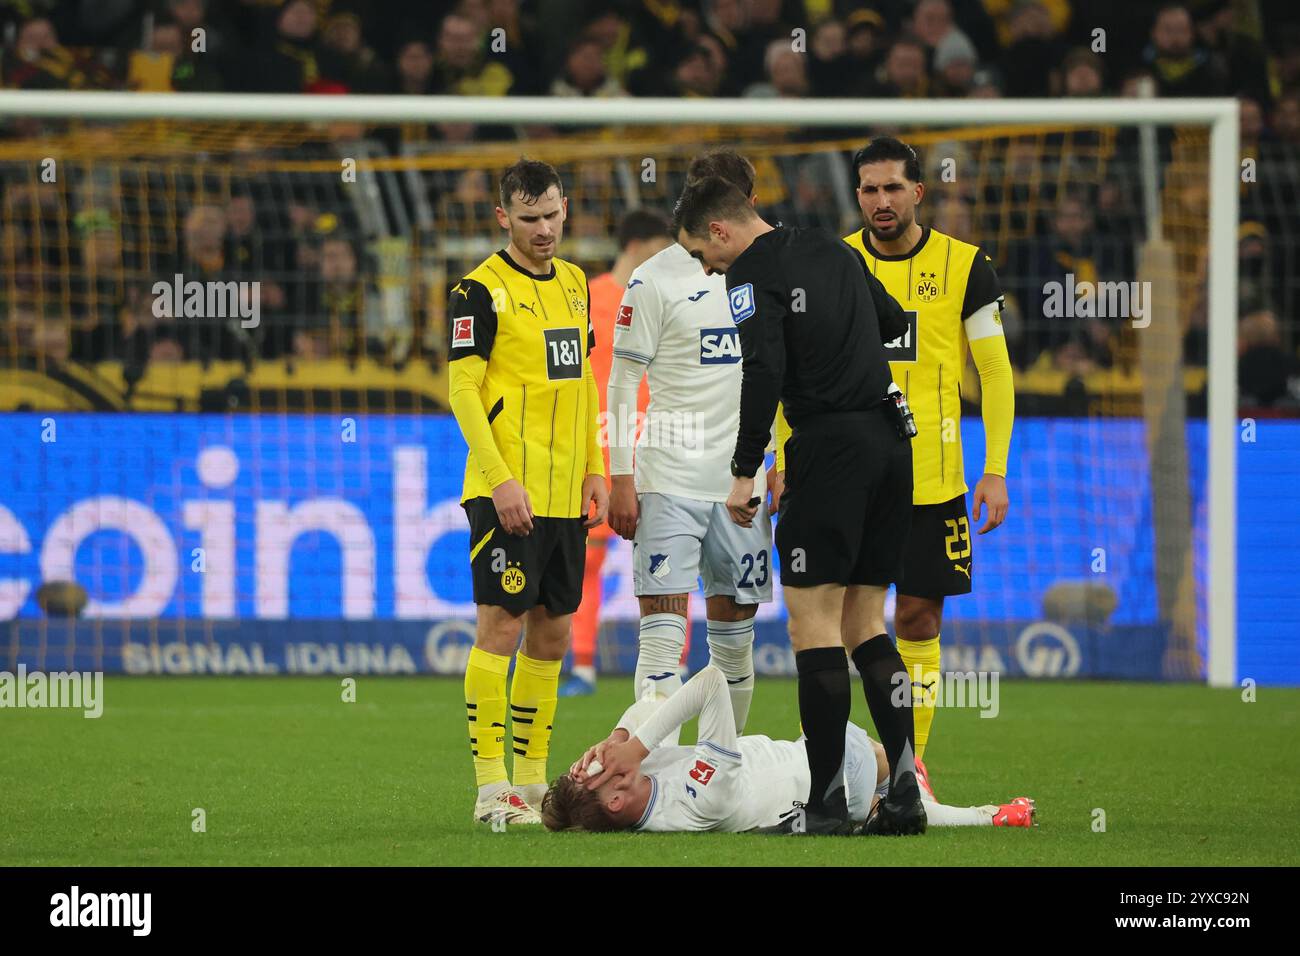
[(883, 674), (824, 704)]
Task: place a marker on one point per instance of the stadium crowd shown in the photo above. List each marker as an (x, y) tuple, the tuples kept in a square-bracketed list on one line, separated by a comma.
[(319, 274)]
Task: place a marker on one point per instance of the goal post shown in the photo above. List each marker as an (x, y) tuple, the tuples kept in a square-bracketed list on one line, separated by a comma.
[(1218, 116)]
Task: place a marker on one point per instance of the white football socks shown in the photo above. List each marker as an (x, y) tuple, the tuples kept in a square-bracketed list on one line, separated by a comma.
[(731, 650), (661, 639)]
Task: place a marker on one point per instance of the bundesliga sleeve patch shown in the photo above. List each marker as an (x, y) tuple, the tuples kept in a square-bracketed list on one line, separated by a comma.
[(462, 331), (624, 318), (742, 302), (702, 772)]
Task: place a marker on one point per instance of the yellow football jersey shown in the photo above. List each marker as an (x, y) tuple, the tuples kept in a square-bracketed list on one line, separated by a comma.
[(946, 287), (535, 333)]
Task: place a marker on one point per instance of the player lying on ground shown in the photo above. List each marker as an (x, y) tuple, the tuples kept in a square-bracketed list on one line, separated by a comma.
[(725, 782)]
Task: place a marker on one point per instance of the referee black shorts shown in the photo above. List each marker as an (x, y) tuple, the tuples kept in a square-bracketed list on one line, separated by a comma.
[(847, 504), (518, 573)]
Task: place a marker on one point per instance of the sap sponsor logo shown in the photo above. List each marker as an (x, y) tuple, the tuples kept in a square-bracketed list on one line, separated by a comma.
[(719, 346), (447, 646), (1044, 649), (77, 909)]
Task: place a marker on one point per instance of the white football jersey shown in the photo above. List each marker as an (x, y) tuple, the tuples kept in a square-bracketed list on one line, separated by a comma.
[(674, 319), (725, 782), (708, 787)]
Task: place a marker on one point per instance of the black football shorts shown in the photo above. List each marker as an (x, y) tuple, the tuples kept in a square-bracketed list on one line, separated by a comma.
[(518, 573), (847, 502), (937, 560)]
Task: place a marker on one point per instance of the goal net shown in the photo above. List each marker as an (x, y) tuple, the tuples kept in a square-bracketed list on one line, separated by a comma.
[(224, 388)]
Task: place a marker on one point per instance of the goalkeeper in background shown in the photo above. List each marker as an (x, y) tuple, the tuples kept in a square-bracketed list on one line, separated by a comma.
[(952, 298), (523, 394)]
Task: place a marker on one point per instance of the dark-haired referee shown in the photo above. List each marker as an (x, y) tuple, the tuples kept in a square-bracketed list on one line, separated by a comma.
[(810, 320)]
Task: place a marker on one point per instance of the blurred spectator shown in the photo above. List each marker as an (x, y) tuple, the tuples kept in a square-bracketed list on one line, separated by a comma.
[(414, 68), (1231, 35), (203, 259), (1034, 51), (622, 54), (462, 65), (1045, 270), (347, 60), (697, 72), (347, 317), (786, 72), (191, 15), (762, 28), (1255, 280), (37, 61), (1286, 118), (1180, 66), (286, 61), (955, 62), (1081, 74), (1250, 125), (932, 24), (866, 46), (903, 72), (828, 61), (584, 73), (1266, 374), (146, 338), (171, 65)]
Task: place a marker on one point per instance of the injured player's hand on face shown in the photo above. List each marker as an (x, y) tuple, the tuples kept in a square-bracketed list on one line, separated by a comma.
[(726, 782), (617, 804)]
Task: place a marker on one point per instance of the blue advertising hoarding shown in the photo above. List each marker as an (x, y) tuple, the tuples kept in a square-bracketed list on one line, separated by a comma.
[(332, 544)]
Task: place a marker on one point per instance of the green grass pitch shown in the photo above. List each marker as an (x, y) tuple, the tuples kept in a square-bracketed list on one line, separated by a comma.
[(287, 773)]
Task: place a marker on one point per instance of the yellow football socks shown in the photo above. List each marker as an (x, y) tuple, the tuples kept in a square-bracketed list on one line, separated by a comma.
[(922, 661), (533, 696), (485, 706)]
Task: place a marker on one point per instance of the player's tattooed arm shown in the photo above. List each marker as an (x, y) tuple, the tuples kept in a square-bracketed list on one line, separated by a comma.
[(665, 604)]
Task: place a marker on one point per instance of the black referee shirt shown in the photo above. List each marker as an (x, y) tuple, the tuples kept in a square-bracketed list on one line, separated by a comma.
[(812, 324)]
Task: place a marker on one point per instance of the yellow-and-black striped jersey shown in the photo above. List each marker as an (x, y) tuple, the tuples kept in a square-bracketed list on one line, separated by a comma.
[(535, 334), (940, 284)]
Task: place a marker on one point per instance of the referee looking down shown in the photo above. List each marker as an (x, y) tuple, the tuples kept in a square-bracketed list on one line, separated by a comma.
[(810, 320)]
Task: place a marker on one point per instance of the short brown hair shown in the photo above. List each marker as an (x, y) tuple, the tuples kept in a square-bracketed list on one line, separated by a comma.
[(531, 178), (568, 805), (708, 200), (725, 163)]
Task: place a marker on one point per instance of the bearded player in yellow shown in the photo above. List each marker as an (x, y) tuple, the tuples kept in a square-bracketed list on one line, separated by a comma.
[(952, 298), (524, 396)]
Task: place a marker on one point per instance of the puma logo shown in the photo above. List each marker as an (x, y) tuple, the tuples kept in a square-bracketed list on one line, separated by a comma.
[(528, 307), (965, 570), (457, 288)]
